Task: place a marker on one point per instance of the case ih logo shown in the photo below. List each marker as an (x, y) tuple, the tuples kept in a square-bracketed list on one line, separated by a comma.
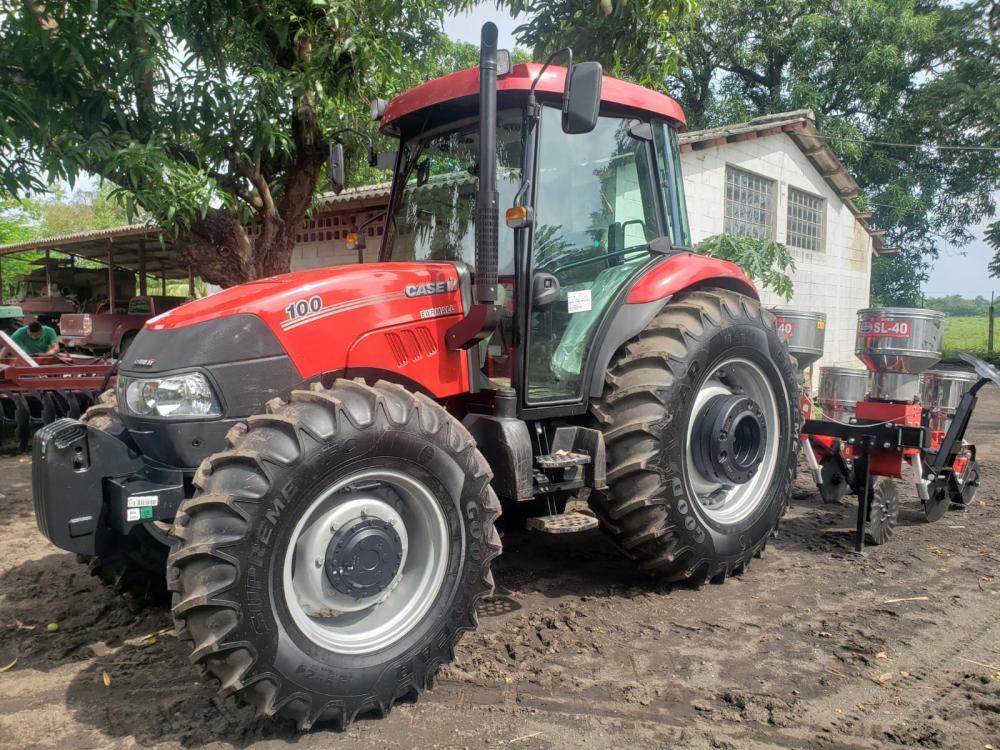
[(433, 287), (893, 329)]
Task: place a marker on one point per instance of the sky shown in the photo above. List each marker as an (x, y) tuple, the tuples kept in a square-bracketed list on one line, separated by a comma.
[(465, 27), (967, 274)]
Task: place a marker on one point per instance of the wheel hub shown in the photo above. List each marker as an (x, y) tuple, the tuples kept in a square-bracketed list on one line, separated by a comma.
[(730, 439), (363, 557)]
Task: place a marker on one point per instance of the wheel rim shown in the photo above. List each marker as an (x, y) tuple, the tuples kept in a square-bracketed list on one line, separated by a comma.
[(366, 561), (722, 496)]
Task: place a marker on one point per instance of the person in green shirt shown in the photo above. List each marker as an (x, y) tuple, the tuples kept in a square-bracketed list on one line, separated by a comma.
[(36, 339)]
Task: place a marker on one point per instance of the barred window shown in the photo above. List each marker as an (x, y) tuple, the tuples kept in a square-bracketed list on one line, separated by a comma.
[(805, 220), (749, 203)]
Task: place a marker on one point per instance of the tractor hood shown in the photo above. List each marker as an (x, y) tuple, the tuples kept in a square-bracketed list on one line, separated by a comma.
[(372, 320)]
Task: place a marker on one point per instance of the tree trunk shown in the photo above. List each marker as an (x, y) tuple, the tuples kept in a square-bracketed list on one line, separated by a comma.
[(219, 249), (222, 252)]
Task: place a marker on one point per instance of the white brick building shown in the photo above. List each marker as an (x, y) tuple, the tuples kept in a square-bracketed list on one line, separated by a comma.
[(774, 178)]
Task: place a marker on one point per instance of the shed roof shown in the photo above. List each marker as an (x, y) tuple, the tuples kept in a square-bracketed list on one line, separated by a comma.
[(800, 126)]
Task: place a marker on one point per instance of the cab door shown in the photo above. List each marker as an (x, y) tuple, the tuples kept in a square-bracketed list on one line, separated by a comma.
[(596, 208)]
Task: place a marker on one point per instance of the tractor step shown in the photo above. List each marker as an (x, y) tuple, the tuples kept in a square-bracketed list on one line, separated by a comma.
[(561, 460), (564, 523)]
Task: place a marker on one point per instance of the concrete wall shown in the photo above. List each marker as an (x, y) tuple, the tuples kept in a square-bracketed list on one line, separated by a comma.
[(322, 239), (835, 281)]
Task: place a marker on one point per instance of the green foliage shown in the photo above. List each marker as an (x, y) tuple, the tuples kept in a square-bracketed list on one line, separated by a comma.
[(766, 262), (957, 306), (210, 115), (897, 71), (631, 39), (896, 278), (16, 225)]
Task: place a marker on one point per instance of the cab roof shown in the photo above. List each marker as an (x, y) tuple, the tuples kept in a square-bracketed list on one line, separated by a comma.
[(464, 84)]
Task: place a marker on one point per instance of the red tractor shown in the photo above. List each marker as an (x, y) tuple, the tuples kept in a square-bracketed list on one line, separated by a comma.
[(313, 463)]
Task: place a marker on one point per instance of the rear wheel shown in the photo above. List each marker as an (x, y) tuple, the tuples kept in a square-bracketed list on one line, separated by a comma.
[(136, 563), (700, 416), (333, 556)]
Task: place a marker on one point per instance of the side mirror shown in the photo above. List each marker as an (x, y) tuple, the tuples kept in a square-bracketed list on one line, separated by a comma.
[(582, 97), (336, 166), (385, 160), (504, 63)]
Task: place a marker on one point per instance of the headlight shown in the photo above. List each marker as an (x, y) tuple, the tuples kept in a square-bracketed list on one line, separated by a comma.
[(186, 395)]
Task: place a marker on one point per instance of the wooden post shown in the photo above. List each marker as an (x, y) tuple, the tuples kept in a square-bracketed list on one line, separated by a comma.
[(989, 339), (111, 278), (1, 280), (163, 283), (190, 281), (142, 267), (48, 275)]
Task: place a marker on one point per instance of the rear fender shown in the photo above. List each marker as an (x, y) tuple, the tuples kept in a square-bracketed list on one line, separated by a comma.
[(652, 290)]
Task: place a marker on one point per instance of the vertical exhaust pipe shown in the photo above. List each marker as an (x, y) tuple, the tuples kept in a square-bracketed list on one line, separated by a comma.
[(482, 319), (487, 199)]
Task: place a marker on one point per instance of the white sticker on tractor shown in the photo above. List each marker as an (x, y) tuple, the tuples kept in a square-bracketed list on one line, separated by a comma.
[(132, 514), (578, 301), (143, 501)]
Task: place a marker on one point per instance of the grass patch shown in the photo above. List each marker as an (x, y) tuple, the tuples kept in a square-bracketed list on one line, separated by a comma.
[(969, 334)]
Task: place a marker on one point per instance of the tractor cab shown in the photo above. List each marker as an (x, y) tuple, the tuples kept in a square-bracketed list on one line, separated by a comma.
[(582, 199)]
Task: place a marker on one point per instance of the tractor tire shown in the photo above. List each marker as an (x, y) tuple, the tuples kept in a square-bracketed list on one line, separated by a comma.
[(136, 566), (293, 577), (666, 422)]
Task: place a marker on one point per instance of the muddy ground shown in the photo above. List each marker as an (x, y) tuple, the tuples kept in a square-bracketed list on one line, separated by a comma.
[(812, 647)]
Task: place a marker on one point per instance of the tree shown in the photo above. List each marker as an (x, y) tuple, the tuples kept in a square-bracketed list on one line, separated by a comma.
[(887, 71), (634, 40), (211, 115), (765, 261)]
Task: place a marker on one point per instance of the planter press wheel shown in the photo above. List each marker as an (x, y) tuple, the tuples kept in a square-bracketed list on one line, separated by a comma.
[(883, 511)]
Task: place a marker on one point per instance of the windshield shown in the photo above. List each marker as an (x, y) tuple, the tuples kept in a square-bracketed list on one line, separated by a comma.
[(433, 217)]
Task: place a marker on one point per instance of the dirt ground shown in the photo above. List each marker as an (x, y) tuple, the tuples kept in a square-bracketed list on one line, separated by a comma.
[(812, 647)]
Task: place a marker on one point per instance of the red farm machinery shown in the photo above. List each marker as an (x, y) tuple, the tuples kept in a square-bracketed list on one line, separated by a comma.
[(36, 391), (896, 413), (312, 464)]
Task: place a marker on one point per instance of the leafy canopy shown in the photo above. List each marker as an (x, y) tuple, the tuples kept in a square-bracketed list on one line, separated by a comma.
[(896, 71), (211, 115)]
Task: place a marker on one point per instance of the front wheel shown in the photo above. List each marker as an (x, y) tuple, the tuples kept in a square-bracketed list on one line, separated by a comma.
[(700, 416), (333, 556)]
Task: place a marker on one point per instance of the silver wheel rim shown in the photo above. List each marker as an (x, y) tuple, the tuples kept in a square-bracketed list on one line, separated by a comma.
[(731, 504), (339, 622)]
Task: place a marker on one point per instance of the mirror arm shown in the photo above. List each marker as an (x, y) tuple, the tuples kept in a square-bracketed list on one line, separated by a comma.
[(568, 51), (372, 155)]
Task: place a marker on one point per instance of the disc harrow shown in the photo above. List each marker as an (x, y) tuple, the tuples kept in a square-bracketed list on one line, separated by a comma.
[(35, 391)]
